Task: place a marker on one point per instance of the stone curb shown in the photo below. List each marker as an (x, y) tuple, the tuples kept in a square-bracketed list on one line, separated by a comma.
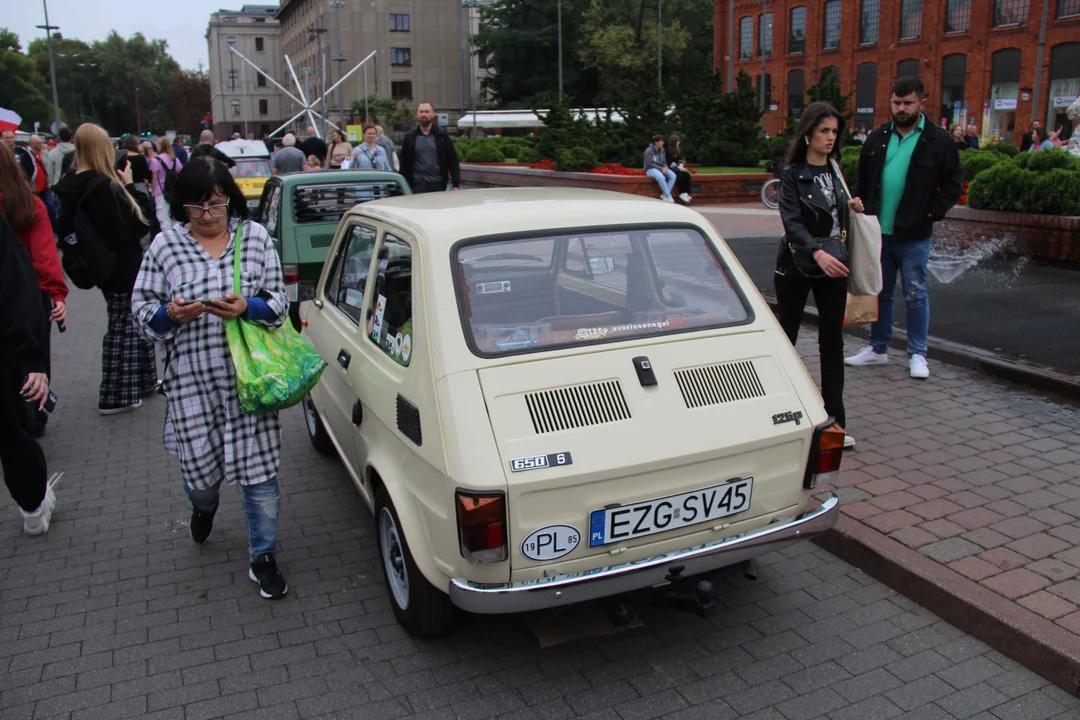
[(1037, 377), (1009, 628), (1012, 630)]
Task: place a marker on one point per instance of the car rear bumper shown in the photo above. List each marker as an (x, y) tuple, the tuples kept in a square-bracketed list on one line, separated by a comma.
[(648, 572)]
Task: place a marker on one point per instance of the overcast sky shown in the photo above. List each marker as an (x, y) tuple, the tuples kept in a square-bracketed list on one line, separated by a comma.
[(181, 24)]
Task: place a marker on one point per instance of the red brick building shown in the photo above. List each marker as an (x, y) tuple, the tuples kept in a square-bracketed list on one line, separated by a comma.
[(980, 52)]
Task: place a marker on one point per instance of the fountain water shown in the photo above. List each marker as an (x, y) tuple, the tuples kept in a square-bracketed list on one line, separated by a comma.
[(951, 257)]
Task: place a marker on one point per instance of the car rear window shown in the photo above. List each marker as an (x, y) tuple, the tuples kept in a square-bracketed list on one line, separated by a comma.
[(251, 168), (328, 202), (529, 294)]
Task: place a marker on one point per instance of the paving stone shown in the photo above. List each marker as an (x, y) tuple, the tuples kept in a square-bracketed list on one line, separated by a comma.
[(950, 550)]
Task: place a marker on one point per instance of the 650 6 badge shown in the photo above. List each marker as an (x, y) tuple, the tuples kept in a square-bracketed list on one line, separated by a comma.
[(539, 462)]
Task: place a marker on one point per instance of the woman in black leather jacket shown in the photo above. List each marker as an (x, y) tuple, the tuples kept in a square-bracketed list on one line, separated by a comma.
[(814, 207)]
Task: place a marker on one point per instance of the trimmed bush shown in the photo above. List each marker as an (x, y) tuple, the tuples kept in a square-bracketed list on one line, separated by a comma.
[(576, 159), (528, 155), (1055, 192), (976, 161), (1002, 186), (1003, 148), (1044, 160), (1008, 187), (849, 165), (462, 146), (484, 153)]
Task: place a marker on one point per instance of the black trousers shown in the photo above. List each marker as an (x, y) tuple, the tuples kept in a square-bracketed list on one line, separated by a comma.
[(421, 186), (830, 296), (682, 181), (22, 458)]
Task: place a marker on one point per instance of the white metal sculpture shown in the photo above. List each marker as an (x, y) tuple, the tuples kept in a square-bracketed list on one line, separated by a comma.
[(307, 107)]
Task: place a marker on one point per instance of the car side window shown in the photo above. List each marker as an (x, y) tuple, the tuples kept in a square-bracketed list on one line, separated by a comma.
[(348, 277), (390, 314), (270, 211)]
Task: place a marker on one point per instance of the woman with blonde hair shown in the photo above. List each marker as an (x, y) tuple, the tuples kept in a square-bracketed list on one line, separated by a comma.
[(160, 169), (112, 221)]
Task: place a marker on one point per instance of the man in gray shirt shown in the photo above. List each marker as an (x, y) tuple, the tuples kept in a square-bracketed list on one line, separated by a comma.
[(288, 159), (428, 159)]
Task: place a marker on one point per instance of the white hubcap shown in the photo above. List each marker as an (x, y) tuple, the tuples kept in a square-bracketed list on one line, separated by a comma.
[(393, 555)]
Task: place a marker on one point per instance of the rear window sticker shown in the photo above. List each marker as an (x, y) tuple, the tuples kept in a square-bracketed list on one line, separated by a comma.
[(489, 288)]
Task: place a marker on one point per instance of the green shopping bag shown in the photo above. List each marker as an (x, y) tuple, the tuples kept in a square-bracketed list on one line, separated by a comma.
[(275, 369)]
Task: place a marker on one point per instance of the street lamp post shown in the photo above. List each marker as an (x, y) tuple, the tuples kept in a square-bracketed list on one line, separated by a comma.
[(560, 51), (337, 5), (469, 5), (660, 42), (52, 65)]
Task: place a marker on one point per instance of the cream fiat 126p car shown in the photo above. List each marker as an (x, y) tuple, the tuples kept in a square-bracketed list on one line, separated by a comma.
[(550, 396)]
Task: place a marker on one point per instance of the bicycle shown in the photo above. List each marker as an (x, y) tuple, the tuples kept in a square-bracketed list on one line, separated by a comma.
[(770, 194)]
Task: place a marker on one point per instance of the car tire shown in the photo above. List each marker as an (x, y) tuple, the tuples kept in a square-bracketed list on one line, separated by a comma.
[(320, 439), (419, 606)]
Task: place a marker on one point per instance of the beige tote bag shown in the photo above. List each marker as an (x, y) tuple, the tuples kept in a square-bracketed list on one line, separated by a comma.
[(864, 248)]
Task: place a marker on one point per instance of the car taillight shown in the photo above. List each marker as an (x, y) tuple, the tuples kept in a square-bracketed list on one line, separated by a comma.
[(291, 273), (826, 450), (481, 521)]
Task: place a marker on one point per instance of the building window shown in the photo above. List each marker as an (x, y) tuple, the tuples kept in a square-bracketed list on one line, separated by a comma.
[(907, 68), (260, 80), (234, 79), (871, 22), (258, 44), (400, 56), (1010, 12), (746, 38), (262, 20), (1004, 92), (767, 90), (831, 36), (399, 22), (401, 90), (765, 35), (229, 18), (953, 75), (264, 129), (1068, 8), (1064, 86), (481, 60), (865, 94), (230, 41), (795, 91), (264, 107), (797, 40), (910, 19), (958, 15), (235, 107)]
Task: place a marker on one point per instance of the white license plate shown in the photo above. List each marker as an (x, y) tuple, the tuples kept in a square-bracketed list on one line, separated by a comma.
[(626, 522)]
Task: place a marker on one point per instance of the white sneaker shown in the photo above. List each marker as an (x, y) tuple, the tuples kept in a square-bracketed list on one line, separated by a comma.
[(918, 367), (685, 197), (867, 356), (849, 442), (667, 198), (117, 410)]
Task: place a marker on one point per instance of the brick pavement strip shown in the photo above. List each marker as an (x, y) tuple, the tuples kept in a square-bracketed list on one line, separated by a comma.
[(151, 626)]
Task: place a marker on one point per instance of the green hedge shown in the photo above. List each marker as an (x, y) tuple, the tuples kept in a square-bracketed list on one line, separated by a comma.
[(576, 159), (484, 153), (1003, 148), (1046, 182), (976, 161)]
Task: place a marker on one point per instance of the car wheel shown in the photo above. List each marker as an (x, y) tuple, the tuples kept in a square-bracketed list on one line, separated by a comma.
[(320, 440), (420, 607)]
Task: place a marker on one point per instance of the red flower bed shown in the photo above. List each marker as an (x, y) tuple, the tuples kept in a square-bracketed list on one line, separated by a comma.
[(615, 169), (543, 165), (963, 195)]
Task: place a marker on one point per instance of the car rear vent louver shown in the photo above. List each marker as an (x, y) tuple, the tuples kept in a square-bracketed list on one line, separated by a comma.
[(716, 384), (408, 420), (577, 406), (322, 241)]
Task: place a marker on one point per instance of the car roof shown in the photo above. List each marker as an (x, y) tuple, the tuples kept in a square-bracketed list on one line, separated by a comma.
[(446, 217), (244, 148), (319, 177)]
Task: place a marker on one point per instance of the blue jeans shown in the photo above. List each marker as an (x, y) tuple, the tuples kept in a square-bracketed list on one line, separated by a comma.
[(261, 504), (910, 259), (666, 179), (49, 199)]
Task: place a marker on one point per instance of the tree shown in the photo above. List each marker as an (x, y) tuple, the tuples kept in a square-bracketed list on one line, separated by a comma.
[(75, 75), (827, 89), (723, 128), (22, 88), (520, 39), (189, 100)]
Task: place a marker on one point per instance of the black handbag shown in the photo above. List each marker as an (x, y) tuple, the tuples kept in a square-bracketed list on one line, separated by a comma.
[(808, 267)]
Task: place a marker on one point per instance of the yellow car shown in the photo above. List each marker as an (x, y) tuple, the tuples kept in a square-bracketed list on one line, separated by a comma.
[(252, 168)]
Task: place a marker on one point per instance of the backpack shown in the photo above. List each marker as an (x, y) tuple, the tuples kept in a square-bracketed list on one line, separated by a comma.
[(87, 260), (65, 164), (169, 185)]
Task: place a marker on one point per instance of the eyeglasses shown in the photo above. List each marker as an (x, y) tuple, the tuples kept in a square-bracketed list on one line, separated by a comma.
[(215, 211)]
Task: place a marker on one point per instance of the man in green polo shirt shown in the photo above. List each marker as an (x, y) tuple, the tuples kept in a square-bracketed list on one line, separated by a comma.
[(909, 176)]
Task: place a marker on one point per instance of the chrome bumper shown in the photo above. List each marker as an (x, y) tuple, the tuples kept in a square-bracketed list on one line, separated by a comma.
[(648, 572)]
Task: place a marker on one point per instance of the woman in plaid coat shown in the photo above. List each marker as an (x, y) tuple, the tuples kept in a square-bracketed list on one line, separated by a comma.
[(183, 292)]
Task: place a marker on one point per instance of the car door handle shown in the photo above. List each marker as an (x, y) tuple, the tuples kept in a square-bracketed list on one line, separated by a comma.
[(357, 413), (344, 358)]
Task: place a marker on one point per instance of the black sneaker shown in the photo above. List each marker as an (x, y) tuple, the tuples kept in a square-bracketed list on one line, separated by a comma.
[(202, 522), (272, 585)]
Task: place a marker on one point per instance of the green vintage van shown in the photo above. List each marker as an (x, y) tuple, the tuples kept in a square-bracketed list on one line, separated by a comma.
[(301, 213)]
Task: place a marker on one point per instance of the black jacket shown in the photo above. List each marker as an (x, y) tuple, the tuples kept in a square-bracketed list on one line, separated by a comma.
[(114, 219), (935, 180), (444, 146), (805, 213), (211, 151), (23, 325)]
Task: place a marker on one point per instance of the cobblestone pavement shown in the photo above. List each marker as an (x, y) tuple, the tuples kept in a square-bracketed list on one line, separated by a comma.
[(115, 613)]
